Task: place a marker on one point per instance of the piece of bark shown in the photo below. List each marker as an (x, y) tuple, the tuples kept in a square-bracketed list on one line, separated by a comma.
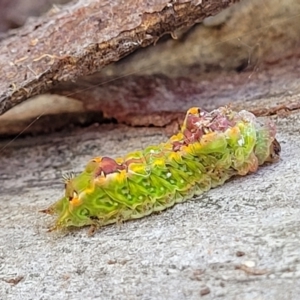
[(158, 100), (84, 36), (239, 38)]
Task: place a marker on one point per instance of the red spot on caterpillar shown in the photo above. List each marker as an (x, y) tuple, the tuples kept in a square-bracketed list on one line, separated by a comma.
[(192, 137), (107, 166), (177, 146)]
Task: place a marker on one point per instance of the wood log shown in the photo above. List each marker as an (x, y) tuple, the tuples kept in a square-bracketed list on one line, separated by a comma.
[(83, 36)]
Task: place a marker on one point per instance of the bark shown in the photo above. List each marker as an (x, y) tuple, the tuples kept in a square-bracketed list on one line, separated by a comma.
[(82, 37)]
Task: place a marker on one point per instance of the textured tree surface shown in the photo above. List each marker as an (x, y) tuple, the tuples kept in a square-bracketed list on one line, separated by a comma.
[(84, 36)]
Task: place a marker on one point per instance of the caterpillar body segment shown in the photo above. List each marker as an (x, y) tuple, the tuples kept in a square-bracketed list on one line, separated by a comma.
[(210, 148)]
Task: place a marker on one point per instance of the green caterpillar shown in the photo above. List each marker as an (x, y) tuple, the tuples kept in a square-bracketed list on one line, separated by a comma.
[(209, 149)]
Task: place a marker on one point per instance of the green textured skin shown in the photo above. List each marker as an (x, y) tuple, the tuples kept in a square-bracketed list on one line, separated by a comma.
[(209, 149)]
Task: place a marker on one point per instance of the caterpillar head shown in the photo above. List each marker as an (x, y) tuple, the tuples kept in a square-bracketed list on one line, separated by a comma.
[(70, 208), (76, 208)]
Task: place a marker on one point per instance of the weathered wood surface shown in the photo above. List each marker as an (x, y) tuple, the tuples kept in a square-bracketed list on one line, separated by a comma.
[(240, 240)]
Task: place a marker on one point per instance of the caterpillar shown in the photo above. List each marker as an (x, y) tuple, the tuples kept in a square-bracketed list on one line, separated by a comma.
[(210, 148)]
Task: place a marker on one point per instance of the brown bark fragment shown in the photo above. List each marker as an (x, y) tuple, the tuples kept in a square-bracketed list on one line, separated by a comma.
[(84, 36), (158, 100)]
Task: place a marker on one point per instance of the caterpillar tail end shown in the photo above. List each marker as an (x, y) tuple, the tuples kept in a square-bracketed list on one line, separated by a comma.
[(275, 150), (49, 211)]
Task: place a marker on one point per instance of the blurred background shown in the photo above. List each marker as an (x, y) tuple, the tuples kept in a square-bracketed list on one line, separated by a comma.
[(14, 13)]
